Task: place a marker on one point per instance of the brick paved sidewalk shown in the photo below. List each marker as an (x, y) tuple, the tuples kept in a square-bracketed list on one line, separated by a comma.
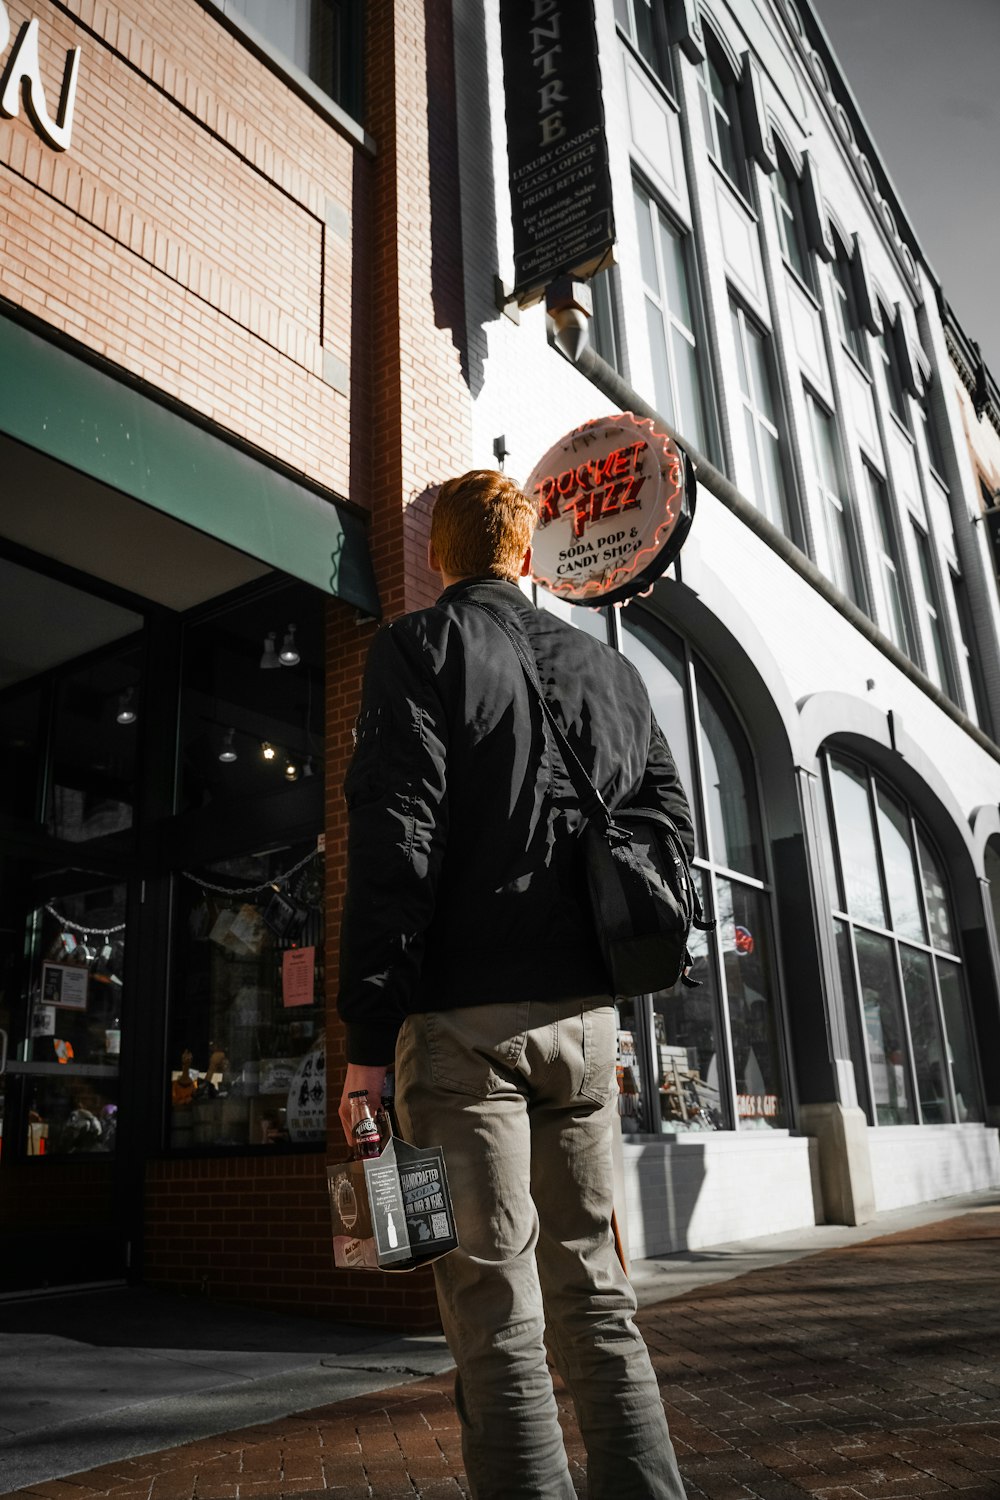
[(853, 1374)]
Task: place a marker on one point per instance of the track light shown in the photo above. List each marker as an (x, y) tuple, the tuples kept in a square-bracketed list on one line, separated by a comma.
[(270, 656), (126, 713), (289, 656), (267, 751), (291, 771), (228, 752)]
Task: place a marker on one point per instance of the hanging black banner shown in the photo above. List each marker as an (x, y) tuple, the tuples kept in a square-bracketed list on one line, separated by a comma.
[(560, 185)]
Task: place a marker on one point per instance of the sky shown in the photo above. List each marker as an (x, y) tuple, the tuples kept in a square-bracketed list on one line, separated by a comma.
[(926, 76)]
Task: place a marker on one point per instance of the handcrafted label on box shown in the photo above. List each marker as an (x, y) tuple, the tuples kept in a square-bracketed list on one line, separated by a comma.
[(392, 1212)]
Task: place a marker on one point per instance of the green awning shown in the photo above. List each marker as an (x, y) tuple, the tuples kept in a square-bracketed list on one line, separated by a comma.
[(88, 419)]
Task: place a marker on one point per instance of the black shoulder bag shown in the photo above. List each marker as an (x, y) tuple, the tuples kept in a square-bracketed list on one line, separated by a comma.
[(643, 899)]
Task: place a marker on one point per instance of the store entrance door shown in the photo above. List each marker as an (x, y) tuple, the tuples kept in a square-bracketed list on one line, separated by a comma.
[(63, 930)]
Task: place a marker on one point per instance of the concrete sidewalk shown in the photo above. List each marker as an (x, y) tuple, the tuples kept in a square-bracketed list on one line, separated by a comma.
[(837, 1365)]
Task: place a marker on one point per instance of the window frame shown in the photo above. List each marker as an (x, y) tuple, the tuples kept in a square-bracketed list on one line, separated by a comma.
[(933, 610), (787, 519), (712, 869), (848, 319), (892, 563), (834, 503), (885, 343), (660, 64), (671, 320), (725, 110), (795, 250)]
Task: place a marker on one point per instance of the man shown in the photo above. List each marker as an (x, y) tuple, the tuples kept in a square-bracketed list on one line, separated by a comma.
[(469, 954)]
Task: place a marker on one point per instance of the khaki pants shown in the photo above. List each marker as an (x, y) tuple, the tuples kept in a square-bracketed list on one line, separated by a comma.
[(522, 1097)]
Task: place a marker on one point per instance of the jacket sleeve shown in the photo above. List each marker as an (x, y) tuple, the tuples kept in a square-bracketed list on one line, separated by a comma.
[(661, 787), (396, 790)]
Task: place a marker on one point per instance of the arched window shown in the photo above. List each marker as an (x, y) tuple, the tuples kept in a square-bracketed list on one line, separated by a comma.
[(711, 1058), (900, 964)]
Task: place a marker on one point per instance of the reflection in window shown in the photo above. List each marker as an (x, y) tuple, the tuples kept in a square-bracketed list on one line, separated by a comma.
[(604, 334), (247, 1060), (643, 23), (659, 659), (239, 700), (883, 1022), (745, 942), (692, 1093), (921, 1062), (856, 839), (960, 1045), (938, 668), (76, 943), (730, 794), (885, 343), (900, 875)]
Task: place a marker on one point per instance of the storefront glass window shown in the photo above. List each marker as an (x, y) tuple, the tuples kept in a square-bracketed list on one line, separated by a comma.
[(690, 1080), (689, 1052), (746, 956), (959, 1042), (247, 1058), (910, 1052), (883, 1020), (77, 946)]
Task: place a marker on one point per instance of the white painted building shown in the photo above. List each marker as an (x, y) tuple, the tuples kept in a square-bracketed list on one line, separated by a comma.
[(771, 302)]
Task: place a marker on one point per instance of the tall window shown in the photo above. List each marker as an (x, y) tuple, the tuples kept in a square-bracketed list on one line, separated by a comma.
[(934, 450), (885, 343), (644, 24), (670, 319), (720, 112), (834, 499), (845, 301), (712, 1055), (914, 1054), (788, 209), (323, 38), (890, 563), (758, 388), (938, 668)]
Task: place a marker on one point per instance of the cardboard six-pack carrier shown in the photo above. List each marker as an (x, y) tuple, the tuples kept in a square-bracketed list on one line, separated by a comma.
[(391, 1212)]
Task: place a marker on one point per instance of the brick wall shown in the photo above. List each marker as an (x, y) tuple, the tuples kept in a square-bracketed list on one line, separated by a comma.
[(184, 233)]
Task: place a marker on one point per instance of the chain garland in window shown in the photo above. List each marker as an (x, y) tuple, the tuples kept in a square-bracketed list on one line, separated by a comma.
[(251, 890)]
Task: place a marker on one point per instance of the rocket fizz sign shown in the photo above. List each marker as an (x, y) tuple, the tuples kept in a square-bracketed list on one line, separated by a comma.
[(616, 501)]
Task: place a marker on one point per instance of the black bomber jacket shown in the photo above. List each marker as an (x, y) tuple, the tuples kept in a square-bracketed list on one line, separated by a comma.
[(464, 885)]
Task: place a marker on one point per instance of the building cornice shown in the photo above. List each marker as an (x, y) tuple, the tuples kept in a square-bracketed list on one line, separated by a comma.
[(971, 368)]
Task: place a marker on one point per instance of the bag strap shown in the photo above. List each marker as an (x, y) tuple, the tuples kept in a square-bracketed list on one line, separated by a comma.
[(592, 804)]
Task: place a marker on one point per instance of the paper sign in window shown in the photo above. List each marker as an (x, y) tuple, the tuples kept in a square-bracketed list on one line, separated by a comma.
[(298, 973)]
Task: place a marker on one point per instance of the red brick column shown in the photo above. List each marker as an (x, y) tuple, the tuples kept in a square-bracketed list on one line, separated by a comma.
[(415, 412)]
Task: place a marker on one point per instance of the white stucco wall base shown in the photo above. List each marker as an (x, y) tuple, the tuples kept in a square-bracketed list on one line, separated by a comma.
[(917, 1164), (703, 1189)]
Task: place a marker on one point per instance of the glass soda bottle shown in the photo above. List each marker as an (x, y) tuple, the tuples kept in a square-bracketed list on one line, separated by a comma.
[(363, 1127)]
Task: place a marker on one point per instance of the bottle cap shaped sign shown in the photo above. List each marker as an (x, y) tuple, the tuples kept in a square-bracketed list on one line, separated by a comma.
[(616, 500)]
